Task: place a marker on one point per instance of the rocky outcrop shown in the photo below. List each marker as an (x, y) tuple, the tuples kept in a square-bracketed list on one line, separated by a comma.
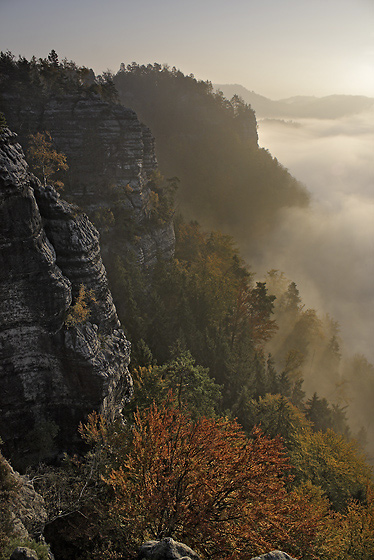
[(51, 373), (169, 549), (111, 157), (21, 507), (166, 549), (23, 553), (274, 555), (76, 244)]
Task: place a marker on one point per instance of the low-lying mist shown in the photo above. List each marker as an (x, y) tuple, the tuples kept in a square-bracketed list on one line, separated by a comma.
[(328, 248)]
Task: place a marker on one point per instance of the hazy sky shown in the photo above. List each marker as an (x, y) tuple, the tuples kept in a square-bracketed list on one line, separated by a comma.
[(277, 48)]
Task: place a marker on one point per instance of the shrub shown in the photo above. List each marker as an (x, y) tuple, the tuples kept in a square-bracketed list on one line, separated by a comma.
[(80, 311)]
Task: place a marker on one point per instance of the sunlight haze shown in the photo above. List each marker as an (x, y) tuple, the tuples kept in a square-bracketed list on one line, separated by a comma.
[(186, 279), (277, 49)]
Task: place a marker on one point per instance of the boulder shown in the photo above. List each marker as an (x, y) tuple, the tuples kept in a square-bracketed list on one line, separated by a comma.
[(23, 553), (166, 549)]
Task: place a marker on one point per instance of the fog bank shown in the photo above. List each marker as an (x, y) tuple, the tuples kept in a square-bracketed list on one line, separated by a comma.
[(328, 250)]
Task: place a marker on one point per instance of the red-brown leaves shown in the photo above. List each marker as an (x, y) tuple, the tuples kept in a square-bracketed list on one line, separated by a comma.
[(207, 484)]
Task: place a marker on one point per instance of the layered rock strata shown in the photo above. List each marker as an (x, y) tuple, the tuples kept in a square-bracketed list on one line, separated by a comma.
[(111, 157), (52, 373)]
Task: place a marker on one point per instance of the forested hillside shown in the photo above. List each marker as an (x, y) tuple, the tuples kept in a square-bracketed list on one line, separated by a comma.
[(228, 444), (210, 143), (228, 183)]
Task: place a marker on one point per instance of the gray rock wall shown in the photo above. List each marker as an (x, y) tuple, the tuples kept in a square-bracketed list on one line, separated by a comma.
[(51, 374), (111, 156)]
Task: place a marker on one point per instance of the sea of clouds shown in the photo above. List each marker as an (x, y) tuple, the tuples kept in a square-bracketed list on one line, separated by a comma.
[(328, 249)]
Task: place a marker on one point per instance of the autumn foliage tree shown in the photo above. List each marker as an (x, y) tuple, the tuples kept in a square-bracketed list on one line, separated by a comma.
[(80, 311), (45, 160), (329, 461), (204, 483), (349, 536)]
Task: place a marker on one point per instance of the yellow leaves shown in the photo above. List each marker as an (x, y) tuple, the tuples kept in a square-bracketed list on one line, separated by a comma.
[(348, 536), (44, 159), (95, 431), (80, 312), (142, 375), (359, 529), (331, 462)]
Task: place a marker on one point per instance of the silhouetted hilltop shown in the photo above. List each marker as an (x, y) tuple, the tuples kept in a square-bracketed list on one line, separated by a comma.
[(329, 107)]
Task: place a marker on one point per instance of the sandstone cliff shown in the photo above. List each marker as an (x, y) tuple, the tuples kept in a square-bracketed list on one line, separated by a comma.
[(51, 374), (111, 159)]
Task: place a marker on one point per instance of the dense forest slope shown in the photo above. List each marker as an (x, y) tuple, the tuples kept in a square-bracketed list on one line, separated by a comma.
[(229, 183), (210, 144)]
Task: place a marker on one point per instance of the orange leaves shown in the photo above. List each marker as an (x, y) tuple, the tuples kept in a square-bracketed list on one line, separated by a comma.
[(204, 483)]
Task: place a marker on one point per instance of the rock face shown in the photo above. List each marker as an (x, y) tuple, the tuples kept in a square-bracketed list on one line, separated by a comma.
[(111, 157), (166, 549), (51, 374), (22, 508)]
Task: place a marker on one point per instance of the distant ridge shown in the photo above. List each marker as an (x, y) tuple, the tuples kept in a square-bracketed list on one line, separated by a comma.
[(330, 107)]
